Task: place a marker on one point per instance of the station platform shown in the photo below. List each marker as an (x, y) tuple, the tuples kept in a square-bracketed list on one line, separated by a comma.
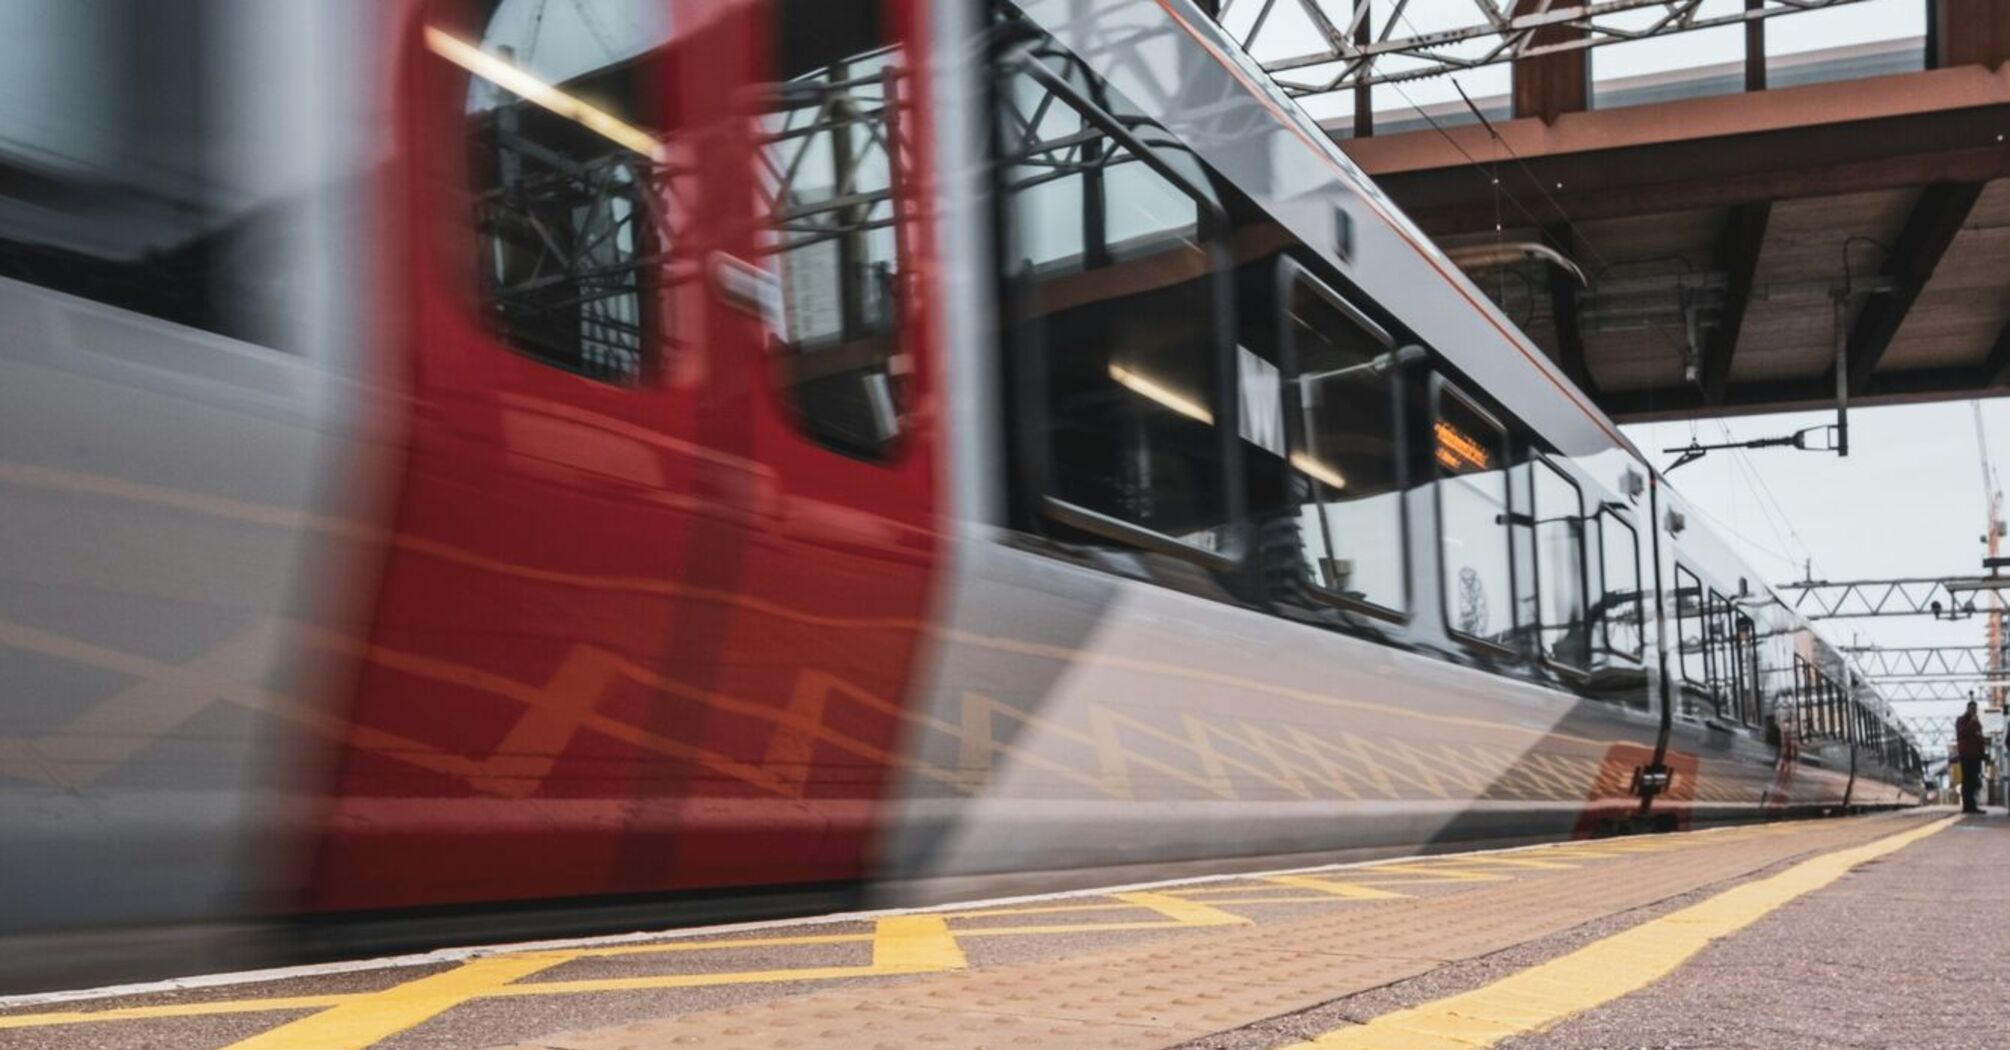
[(1871, 931)]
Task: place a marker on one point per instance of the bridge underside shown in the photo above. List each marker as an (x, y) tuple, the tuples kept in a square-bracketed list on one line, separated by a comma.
[(1716, 234)]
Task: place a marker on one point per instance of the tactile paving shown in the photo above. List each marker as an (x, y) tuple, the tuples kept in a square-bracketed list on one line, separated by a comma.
[(1223, 977)]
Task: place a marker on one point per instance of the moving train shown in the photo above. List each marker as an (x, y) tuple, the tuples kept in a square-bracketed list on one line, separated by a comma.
[(485, 467)]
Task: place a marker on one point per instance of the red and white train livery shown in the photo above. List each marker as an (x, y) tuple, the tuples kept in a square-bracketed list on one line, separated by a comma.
[(468, 462)]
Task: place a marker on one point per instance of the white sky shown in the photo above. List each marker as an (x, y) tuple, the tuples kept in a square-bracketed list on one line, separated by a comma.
[(1908, 501)]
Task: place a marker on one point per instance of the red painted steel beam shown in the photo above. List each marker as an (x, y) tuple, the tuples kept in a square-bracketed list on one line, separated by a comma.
[(1970, 32), (1548, 86), (1813, 393)]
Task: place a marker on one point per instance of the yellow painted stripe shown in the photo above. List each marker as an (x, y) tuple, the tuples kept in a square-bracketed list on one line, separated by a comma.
[(1407, 875), (366, 1019), (1042, 909), (687, 980), (1521, 862), (1598, 973), (1348, 890), (915, 944), (1289, 898), (1085, 927), (659, 947), (142, 1013), (1186, 912)]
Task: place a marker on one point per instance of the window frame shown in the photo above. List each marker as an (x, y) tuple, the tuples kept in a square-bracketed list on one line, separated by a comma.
[(1291, 277), (1716, 647), (1029, 362), (1441, 386), (1746, 646), (1542, 461), (1682, 658), (1639, 651)]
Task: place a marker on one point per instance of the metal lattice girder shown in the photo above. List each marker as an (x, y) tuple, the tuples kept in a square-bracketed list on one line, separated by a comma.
[(1835, 599), (1932, 692), (1922, 660), (1933, 732), (1353, 43)]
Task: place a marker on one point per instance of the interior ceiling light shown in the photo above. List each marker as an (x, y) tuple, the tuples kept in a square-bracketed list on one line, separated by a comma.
[(528, 87)]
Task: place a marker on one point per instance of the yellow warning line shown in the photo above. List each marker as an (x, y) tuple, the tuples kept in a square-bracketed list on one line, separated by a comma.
[(921, 943), (1600, 972), (380, 1015), (1186, 912), (915, 944), (1349, 890)]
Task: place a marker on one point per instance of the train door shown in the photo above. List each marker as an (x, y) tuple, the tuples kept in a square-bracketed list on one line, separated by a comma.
[(538, 677), (820, 377)]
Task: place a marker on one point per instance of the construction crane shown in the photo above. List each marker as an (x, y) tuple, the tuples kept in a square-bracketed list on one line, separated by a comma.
[(1992, 495)]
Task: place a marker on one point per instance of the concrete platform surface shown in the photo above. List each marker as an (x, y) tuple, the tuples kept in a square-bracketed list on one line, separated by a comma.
[(1815, 933)]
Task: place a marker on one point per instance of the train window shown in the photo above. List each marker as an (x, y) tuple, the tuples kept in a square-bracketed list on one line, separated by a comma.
[(1717, 619), (1117, 313), (568, 204), (1619, 611), (1477, 572), (134, 174), (834, 166), (1747, 655), (1690, 642), (1346, 476), (1559, 562)]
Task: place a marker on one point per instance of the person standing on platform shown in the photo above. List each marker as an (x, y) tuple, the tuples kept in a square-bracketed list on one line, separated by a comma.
[(1968, 744)]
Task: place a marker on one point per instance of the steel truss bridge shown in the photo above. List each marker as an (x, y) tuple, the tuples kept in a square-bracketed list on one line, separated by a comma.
[(1358, 43)]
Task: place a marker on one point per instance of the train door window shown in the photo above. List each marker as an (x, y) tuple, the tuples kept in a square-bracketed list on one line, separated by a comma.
[(1117, 313), (569, 199), (1689, 640), (1559, 563), (1803, 691), (1747, 655), (1476, 566), (1619, 610), (1717, 651), (1521, 536), (834, 157), (1344, 457)]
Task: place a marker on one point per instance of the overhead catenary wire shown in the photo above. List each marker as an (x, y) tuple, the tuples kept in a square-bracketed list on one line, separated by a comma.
[(1771, 511)]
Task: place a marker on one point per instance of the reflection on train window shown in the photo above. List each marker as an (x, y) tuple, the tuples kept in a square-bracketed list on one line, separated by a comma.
[(1619, 611), (1716, 621), (570, 197), (833, 167), (1689, 641), (133, 174), (1115, 311), (1747, 651), (1559, 559), (1478, 578), (1807, 696), (1344, 474)]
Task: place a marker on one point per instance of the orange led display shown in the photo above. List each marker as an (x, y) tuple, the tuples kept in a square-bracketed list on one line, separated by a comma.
[(1457, 451)]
